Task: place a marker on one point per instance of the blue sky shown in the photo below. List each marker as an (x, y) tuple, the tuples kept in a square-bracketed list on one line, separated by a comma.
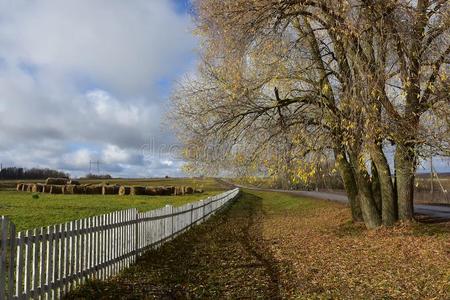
[(86, 80), (182, 6)]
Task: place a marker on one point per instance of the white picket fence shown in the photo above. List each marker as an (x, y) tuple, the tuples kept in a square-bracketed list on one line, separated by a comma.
[(46, 263)]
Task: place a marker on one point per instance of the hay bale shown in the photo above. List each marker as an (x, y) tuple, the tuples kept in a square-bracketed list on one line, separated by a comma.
[(56, 181), (29, 188), (73, 182), (178, 191), (73, 189), (198, 191), (19, 187), (94, 189), (24, 187), (78, 189), (56, 189), (189, 190), (124, 190), (167, 190), (110, 189), (47, 188), (151, 191), (137, 190), (68, 189), (37, 188)]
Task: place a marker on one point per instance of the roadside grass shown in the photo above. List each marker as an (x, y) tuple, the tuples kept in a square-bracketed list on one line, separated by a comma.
[(273, 245), (29, 213)]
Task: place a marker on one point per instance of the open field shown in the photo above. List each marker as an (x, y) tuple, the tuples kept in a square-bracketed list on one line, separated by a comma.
[(203, 183), (28, 213), (273, 245)]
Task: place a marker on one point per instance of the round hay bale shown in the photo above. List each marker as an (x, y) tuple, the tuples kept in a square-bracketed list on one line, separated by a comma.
[(124, 190), (56, 189), (56, 181), (189, 190), (78, 189), (46, 188), (110, 189), (37, 188), (29, 188), (151, 191), (68, 189), (137, 190), (24, 187), (19, 187), (169, 190), (73, 182), (94, 189), (178, 191)]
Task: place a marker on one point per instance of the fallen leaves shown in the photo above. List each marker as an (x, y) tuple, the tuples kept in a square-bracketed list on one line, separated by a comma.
[(259, 249)]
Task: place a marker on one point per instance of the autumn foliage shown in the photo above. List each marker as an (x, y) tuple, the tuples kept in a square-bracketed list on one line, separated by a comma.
[(283, 85)]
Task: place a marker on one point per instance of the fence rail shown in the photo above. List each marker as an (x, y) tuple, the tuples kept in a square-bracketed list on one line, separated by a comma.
[(48, 262)]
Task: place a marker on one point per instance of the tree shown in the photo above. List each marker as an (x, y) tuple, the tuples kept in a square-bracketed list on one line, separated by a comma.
[(281, 82)]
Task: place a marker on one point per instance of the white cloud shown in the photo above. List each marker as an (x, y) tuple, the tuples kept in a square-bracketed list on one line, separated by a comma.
[(113, 154), (79, 158), (87, 73), (123, 45)]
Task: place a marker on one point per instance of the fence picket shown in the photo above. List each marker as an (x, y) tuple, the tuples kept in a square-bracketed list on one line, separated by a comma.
[(28, 264), (3, 249), (20, 264)]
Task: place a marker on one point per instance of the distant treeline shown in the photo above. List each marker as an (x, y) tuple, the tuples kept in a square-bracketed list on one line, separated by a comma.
[(15, 173), (97, 176)]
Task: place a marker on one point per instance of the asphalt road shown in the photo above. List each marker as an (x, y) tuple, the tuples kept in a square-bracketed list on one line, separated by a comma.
[(435, 212)]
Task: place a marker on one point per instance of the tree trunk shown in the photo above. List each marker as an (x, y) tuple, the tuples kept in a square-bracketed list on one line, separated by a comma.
[(371, 215), (369, 210), (348, 177), (405, 169), (388, 199), (376, 187)]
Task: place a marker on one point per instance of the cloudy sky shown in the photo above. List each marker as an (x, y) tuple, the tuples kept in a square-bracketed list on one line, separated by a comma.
[(85, 80), (88, 80)]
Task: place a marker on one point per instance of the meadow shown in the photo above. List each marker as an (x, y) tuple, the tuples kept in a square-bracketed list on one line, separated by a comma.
[(28, 213)]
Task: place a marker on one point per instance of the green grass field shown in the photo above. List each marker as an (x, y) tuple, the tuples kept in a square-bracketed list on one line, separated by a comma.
[(29, 213)]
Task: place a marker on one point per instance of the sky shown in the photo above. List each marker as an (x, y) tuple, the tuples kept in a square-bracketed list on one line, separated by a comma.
[(88, 80)]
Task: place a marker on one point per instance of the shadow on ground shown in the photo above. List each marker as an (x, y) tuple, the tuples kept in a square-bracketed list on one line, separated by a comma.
[(226, 257)]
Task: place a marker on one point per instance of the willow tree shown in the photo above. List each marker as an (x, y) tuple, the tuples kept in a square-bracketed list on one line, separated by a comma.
[(306, 77)]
